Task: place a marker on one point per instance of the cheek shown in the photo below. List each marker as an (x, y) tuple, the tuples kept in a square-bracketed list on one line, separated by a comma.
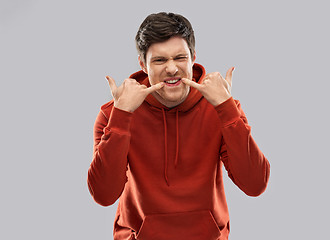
[(187, 68), (154, 75)]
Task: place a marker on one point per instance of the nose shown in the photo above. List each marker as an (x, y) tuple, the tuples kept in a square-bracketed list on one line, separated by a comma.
[(171, 68)]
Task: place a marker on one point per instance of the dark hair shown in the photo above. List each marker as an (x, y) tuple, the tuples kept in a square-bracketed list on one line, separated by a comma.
[(159, 27)]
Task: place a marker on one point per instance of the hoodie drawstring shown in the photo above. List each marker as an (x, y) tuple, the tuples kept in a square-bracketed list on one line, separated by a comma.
[(165, 134), (177, 139), (165, 144)]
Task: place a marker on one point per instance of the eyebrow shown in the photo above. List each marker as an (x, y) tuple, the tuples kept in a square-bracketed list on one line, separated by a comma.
[(157, 57)]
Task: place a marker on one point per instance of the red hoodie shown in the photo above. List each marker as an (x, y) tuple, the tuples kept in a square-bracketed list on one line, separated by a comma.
[(165, 164)]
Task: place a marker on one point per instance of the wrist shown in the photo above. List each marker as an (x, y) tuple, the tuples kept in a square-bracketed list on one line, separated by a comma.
[(123, 107), (220, 101)]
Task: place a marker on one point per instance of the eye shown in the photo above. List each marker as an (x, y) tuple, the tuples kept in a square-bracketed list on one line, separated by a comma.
[(181, 58), (159, 60)]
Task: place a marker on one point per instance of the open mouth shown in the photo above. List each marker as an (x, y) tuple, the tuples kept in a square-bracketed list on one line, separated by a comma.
[(172, 81)]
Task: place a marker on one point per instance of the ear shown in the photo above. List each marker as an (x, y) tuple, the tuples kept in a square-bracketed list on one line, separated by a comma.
[(194, 57), (142, 65)]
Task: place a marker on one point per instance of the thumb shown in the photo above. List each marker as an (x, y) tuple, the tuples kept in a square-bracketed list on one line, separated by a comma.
[(229, 75), (112, 84)]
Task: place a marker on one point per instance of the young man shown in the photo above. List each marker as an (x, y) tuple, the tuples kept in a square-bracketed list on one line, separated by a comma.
[(159, 145)]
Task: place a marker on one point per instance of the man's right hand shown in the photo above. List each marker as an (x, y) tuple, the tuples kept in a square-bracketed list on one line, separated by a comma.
[(130, 95)]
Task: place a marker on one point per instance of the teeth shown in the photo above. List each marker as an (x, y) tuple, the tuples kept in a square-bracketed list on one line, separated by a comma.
[(172, 81)]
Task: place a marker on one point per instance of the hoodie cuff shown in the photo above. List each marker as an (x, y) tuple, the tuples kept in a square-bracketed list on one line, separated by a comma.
[(228, 112), (119, 121)]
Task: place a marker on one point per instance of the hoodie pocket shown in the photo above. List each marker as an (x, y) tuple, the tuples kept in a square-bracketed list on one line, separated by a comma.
[(185, 225)]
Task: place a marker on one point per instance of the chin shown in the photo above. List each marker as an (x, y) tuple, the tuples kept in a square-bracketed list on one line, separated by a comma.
[(174, 101), (171, 99), (174, 97)]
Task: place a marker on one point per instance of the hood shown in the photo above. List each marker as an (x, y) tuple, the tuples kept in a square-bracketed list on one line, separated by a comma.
[(193, 98)]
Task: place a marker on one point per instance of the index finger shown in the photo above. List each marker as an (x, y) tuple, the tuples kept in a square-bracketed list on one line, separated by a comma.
[(191, 83), (154, 87)]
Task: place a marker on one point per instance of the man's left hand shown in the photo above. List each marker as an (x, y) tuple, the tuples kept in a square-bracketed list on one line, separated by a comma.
[(214, 87)]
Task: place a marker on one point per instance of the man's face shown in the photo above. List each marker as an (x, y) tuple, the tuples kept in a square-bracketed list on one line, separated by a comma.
[(168, 62)]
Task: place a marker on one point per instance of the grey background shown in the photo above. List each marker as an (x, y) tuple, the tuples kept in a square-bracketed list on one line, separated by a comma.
[(54, 56)]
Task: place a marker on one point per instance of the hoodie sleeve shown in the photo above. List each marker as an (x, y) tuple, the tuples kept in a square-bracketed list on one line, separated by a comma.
[(245, 163), (107, 172)]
